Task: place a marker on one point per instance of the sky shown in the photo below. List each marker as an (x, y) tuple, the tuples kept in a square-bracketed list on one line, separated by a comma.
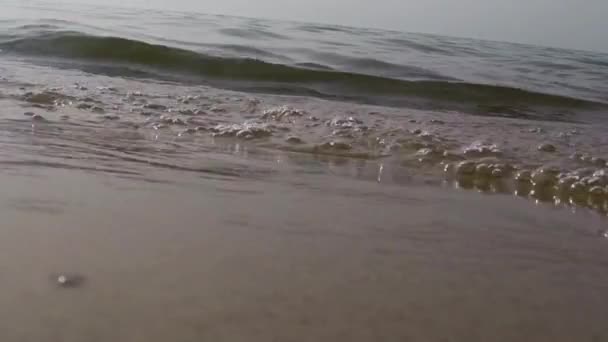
[(579, 24)]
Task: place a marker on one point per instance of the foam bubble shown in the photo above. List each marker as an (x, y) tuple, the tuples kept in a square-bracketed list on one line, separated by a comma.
[(498, 172), (282, 112), (524, 176), (336, 145), (578, 188), (483, 170), (244, 131), (597, 191), (466, 168), (545, 176), (38, 117), (479, 149)]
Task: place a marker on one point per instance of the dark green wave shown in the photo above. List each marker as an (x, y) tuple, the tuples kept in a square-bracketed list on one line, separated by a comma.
[(121, 51)]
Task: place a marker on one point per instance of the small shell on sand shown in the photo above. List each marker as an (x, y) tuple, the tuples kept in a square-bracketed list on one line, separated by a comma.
[(67, 280)]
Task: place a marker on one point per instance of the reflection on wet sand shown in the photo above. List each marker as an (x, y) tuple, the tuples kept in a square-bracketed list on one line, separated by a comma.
[(329, 258)]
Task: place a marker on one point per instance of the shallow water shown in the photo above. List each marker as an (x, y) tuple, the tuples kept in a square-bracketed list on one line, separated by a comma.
[(194, 194)]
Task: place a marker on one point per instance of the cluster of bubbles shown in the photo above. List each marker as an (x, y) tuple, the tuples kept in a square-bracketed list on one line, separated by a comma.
[(481, 165), (586, 187), (247, 130)]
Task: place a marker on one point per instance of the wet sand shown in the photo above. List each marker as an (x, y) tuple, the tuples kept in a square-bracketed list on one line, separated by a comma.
[(323, 259)]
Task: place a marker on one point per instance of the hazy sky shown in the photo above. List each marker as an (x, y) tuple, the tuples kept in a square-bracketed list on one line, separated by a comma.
[(565, 23)]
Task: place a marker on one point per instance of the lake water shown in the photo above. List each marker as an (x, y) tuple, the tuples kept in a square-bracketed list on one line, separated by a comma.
[(197, 177)]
